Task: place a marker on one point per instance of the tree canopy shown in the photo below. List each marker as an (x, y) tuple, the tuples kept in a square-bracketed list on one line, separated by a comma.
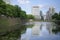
[(30, 16), (11, 10), (56, 17)]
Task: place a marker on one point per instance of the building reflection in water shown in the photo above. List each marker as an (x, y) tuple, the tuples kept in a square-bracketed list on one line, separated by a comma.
[(36, 29), (41, 31)]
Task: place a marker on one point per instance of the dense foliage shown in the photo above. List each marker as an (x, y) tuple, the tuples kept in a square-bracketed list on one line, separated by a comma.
[(10, 16), (11, 10), (30, 16), (56, 17)]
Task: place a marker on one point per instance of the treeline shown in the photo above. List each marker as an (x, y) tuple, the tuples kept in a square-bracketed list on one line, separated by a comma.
[(12, 17), (56, 18), (11, 10)]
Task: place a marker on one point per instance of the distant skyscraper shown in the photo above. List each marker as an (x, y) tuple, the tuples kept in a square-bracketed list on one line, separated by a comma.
[(36, 12), (41, 14), (48, 16), (52, 10), (49, 13)]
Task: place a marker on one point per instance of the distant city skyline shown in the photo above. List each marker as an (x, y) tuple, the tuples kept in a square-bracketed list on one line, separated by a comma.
[(44, 4)]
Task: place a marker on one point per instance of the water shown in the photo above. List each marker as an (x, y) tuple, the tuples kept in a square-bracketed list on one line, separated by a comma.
[(41, 31)]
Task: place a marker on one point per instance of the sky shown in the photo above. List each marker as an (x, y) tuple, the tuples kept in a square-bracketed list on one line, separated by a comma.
[(44, 5)]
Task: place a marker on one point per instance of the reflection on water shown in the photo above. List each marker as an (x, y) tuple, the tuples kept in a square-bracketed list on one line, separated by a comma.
[(56, 30), (40, 31), (13, 35)]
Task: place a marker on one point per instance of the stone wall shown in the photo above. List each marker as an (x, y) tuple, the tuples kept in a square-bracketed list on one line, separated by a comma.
[(8, 24)]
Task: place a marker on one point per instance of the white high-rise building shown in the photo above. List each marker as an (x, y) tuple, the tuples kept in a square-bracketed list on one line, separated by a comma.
[(36, 12)]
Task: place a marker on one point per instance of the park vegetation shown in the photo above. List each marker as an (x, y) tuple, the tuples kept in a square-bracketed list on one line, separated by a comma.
[(30, 16), (11, 19), (11, 10), (56, 18)]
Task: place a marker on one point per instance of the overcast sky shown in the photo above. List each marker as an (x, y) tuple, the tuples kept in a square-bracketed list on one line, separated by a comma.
[(44, 4)]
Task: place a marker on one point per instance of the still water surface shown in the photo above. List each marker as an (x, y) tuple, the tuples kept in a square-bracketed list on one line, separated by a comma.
[(41, 31)]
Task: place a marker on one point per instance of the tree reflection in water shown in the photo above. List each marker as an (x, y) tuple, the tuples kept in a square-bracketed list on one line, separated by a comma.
[(16, 34), (56, 30), (13, 35)]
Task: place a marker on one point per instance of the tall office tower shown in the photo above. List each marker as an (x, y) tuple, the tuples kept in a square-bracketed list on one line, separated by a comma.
[(41, 14), (52, 10), (36, 12), (48, 16), (49, 13)]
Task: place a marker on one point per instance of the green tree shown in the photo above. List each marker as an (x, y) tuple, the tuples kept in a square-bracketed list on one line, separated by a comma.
[(17, 11), (55, 16), (12, 11), (2, 7), (30, 16)]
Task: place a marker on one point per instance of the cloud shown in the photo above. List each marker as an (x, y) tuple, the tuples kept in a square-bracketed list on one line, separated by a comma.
[(45, 6), (41, 6), (19, 1), (7, 1), (23, 1)]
